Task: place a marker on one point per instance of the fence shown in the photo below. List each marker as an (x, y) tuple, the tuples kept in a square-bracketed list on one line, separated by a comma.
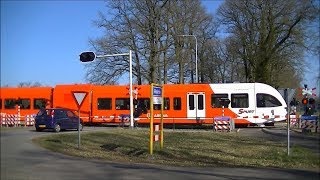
[(13, 120)]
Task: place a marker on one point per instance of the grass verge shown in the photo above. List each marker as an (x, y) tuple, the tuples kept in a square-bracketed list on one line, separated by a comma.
[(201, 149)]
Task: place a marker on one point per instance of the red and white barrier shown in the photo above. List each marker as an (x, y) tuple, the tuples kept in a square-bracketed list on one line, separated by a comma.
[(29, 120), (3, 119), (16, 120), (293, 120), (222, 123)]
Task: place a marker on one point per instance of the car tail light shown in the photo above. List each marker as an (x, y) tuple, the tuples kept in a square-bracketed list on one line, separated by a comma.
[(52, 113)]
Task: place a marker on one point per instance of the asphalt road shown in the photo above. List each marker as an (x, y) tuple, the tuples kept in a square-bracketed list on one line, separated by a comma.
[(21, 159)]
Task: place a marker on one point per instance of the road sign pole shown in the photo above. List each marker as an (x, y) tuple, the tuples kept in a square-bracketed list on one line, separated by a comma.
[(79, 96), (288, 121), (79, 129)]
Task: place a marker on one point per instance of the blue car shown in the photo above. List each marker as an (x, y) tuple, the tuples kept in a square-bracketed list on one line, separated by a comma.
[(57, 119)]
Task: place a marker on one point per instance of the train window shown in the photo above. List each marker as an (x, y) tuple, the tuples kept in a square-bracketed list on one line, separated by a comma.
[(39, 103), (239, 101), (144, 103), (166, 105), (177, 103), (267, 100), (0, 103), (200, 102), (9, 103), (215, 100), (25, 104), (122, 103), (104, 103)]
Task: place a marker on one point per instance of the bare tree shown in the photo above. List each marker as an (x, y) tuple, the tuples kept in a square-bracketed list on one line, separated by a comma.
[(270, 34), (29, 84), (150, 28)]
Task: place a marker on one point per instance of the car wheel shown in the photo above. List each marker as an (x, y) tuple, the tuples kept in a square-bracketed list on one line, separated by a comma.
[(57, 128)]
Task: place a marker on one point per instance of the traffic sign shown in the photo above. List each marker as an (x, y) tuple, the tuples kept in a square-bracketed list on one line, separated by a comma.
[(79, 96), (157, 95), (157, 91), (308, 92)]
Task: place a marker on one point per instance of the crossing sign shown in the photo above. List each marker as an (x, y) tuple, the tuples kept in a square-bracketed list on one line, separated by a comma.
[(79, 96)]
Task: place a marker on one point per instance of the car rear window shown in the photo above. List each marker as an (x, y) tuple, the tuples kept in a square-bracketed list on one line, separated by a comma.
[(45, 112)]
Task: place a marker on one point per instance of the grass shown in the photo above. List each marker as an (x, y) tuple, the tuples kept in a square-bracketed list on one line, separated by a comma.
[(200, 149)]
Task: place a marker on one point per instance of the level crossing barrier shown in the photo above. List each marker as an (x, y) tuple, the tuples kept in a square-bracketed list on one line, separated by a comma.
[(223, 123), (309, 123)]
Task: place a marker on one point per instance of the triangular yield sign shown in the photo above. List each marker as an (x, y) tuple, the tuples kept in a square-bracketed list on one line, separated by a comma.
[(79, 96)]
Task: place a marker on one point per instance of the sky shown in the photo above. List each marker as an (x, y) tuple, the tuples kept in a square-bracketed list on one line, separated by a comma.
[(41, 41)]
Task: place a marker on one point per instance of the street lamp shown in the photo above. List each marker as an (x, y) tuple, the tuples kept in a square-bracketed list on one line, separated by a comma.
[(89, 56), (187, 35)]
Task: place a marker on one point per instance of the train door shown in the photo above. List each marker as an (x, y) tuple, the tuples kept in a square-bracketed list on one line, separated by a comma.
[(196, 108)]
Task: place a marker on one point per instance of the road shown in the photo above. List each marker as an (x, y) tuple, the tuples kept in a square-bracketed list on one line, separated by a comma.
[(21, 159)]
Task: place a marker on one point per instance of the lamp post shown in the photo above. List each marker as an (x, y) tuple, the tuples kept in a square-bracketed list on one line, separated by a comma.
[(89, 56), (187, 35)]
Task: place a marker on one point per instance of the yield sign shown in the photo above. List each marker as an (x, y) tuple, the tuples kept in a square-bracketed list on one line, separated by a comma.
[(79, 96)]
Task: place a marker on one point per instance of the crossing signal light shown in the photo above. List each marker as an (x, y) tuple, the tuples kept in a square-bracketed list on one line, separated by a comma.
[(305, 101), (311, 101), (87, 56)]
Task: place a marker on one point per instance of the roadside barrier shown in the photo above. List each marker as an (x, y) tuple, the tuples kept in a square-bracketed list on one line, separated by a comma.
[(223, 123), (29, 120), (13, 120), (3, 119), (293, 120), (309, 123)]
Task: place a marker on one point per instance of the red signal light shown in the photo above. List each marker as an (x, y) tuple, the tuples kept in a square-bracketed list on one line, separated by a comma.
[(305, 101)]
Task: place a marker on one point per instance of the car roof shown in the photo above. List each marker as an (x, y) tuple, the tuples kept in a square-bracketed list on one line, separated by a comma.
[(56, 109)]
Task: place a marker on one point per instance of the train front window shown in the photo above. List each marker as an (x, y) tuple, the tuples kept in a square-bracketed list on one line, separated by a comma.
[(239, 101), (25, 104), (39, 103), (9, 103), (0, 103), (267, 100), (215, 100)]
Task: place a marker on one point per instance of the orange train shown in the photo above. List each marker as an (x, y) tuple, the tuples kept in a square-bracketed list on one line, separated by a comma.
[(250, 103)]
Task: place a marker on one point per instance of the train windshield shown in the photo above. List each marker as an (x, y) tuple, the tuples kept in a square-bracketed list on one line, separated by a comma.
[(267, 100)]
